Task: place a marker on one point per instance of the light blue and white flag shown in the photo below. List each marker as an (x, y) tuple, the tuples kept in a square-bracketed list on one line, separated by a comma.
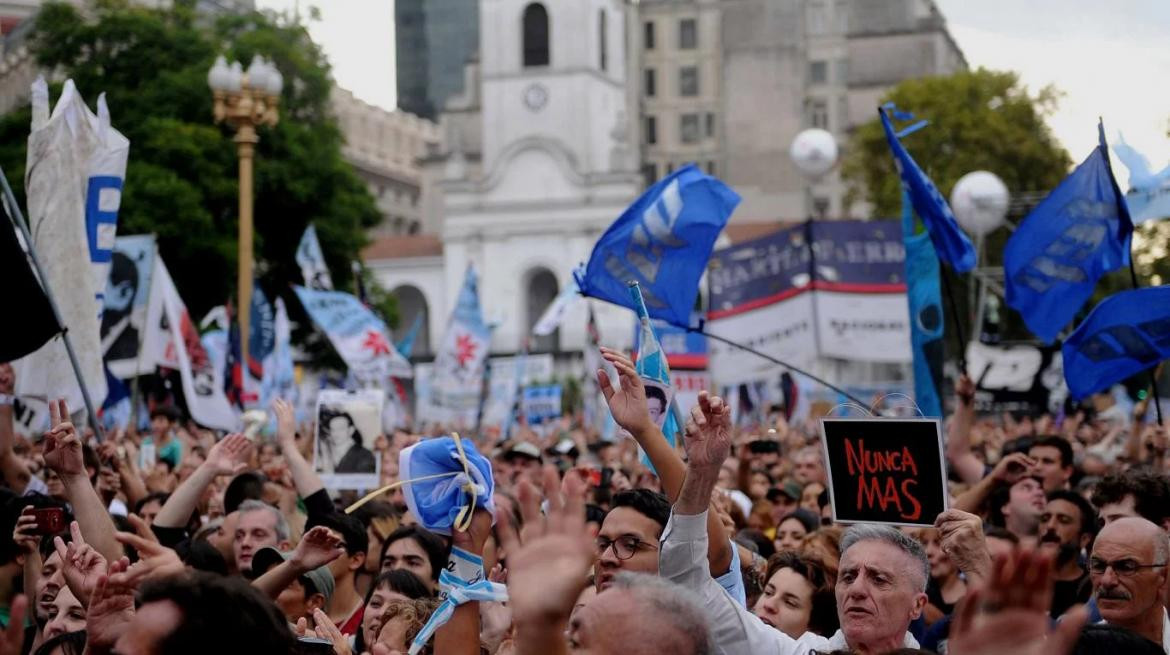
[(1149, 193), (312, 261), (359, 336), (552, 317), (655, 372), (459, 361)]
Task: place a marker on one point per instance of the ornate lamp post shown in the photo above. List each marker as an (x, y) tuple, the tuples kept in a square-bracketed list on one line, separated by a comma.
[(245, 100)]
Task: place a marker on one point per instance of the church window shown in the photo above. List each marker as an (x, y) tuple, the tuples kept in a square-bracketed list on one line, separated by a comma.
[(535, 35), (651, 130), (688, 81), (688, 35), (603, 38), (689, 128), (648, 35), (650, 85)]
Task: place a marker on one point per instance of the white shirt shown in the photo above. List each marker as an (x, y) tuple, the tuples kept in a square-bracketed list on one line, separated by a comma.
[(682, 559)]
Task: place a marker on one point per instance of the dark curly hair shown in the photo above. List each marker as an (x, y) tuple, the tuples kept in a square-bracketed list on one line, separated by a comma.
[(1150, 491), (822, 619), (651, 504)]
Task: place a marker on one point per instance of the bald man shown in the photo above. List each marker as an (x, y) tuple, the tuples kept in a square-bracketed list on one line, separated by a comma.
[(1128, 570)]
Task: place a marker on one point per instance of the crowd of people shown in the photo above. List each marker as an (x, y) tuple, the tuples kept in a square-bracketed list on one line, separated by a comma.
[(179, 540)]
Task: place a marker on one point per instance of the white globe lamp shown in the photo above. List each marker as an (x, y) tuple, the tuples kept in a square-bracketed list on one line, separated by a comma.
[(814, 151), (980, 202)]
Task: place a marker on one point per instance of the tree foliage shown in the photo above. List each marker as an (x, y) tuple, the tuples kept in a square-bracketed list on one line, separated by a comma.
[(181, 180), (979, 120)]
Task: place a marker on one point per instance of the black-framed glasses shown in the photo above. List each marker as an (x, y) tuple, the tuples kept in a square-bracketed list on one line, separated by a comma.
[(1122, 567), (624, 546)]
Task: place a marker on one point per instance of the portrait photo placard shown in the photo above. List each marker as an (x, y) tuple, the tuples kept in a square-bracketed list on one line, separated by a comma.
[(348, 422)]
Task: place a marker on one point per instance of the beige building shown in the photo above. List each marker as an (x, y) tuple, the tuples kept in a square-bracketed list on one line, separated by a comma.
[(384, 148), (729, 84)]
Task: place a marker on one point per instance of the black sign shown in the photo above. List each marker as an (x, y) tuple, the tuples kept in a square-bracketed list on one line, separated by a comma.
[(885, 470)]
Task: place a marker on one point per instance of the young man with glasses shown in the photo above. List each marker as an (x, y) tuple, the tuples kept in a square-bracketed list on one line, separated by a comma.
[(628, 539), (1128, 569)]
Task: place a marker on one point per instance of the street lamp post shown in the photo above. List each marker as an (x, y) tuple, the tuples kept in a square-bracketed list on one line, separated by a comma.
[(245, 100)]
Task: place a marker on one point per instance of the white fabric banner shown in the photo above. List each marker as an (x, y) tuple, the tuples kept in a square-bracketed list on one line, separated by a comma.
[(76, 163), (785, 330), (865, 327)]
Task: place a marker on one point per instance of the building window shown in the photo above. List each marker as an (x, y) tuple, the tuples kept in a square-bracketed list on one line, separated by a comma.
[(710, 125), (818, 114), (688, 34), (535, 35), (818, 72), (688, 128), (843, 71), (603, 39), (651, 130), (669, 168), (650, 173), (815, 18), (650, 82), (688, 81), (710, 167), (648, 35)]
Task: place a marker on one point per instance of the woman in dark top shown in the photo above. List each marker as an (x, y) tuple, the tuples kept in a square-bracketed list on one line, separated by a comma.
[(945, 587)]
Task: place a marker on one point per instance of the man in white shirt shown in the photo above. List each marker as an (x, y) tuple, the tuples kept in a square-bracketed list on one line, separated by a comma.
[(880, 588), (1128, 570)]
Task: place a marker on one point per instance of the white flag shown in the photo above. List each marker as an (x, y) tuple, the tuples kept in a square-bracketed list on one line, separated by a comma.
[(552, 317), (172, 341), (312, 261), (76, 164)]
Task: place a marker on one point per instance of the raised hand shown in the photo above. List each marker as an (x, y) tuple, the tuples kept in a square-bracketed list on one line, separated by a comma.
[(965, 390), (62, 451), (708, 433), (81, 564), (473, 539), (1011, 468), (286, 424), (627, 404), (7, 379), (547, 563), (963, 541), (154, 561), (24, 534), (110, 610), (317, 548), (12, 638), (229, 456), (1010, 613)]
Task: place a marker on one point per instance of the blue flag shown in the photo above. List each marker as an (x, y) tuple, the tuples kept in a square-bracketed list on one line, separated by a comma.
[(1125, 334), (461, 358), (406, 345), (359, 336), (950, 242), (926, 317), (1074, 236), (663, 242)]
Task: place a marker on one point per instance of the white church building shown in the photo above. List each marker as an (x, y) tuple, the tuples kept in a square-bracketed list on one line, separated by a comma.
[(534, 163)]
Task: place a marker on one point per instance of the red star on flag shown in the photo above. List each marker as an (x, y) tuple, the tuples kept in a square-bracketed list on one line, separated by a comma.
[(464, 349), (377, 343)]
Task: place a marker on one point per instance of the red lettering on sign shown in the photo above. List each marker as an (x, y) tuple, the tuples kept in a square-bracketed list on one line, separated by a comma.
[(882, 491)]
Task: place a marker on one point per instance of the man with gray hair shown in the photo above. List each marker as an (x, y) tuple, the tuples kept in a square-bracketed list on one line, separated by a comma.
[(1128, 570), (258, 525), (642, 613), (880, 587)]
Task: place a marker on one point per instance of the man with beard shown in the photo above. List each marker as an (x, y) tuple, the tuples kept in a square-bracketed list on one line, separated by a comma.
[(1067, 527)]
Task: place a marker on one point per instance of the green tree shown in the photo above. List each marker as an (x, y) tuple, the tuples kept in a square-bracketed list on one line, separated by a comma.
[(181, 181), (979, 120)]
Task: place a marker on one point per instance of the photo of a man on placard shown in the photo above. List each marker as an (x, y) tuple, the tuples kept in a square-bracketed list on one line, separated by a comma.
[(658, 398), (348, 423)]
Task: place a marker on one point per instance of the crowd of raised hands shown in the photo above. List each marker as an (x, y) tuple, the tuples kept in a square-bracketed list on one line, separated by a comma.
[(724, 544)]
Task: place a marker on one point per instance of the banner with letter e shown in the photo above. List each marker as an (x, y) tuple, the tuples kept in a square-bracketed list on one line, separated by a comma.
[(885, 470)]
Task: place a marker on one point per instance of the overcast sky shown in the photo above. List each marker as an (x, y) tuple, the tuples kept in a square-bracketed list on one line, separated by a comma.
[(1109, 58)]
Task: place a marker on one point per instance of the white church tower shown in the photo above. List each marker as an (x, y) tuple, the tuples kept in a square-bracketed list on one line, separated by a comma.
[(555, 166)]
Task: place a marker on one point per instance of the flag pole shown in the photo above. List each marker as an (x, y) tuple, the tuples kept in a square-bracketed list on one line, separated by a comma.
[(1133, 278), (17, 218)]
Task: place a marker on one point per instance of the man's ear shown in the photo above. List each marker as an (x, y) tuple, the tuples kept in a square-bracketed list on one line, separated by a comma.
[(357, 561), (284, 545), (315, 602), (919, 605)]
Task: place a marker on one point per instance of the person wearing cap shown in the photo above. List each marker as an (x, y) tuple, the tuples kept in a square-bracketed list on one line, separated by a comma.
[(299, 581), (785, 499), (523, 460)]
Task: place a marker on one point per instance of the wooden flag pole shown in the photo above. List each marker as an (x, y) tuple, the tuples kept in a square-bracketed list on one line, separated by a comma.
[(17, 218)]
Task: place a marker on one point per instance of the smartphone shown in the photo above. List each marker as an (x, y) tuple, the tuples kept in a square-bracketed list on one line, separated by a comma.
[(50, 520), (761, 447)]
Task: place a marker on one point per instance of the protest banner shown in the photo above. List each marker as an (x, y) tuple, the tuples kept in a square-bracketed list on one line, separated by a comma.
[(348, 422), (885, 470), (542, 404), (359, 336), (1016, 377), (127, 298)]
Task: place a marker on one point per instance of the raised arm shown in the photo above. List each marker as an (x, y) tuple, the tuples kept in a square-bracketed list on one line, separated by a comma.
[(304, 477), (14, 470), (228, 457), (63, 455), (1006, 472), (628, 407), (958, 450), (317, 548)]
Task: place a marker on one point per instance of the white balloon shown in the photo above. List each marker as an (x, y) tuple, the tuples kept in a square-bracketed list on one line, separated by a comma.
[(814, 151), (980, 202)]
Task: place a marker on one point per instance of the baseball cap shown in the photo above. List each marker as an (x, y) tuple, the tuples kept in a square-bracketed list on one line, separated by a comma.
[(523, 449), (268, 557), (792, 489)]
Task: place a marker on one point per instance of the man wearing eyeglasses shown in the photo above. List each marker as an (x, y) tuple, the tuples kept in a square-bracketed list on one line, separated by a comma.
[(1128, 569), (628, 539)]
